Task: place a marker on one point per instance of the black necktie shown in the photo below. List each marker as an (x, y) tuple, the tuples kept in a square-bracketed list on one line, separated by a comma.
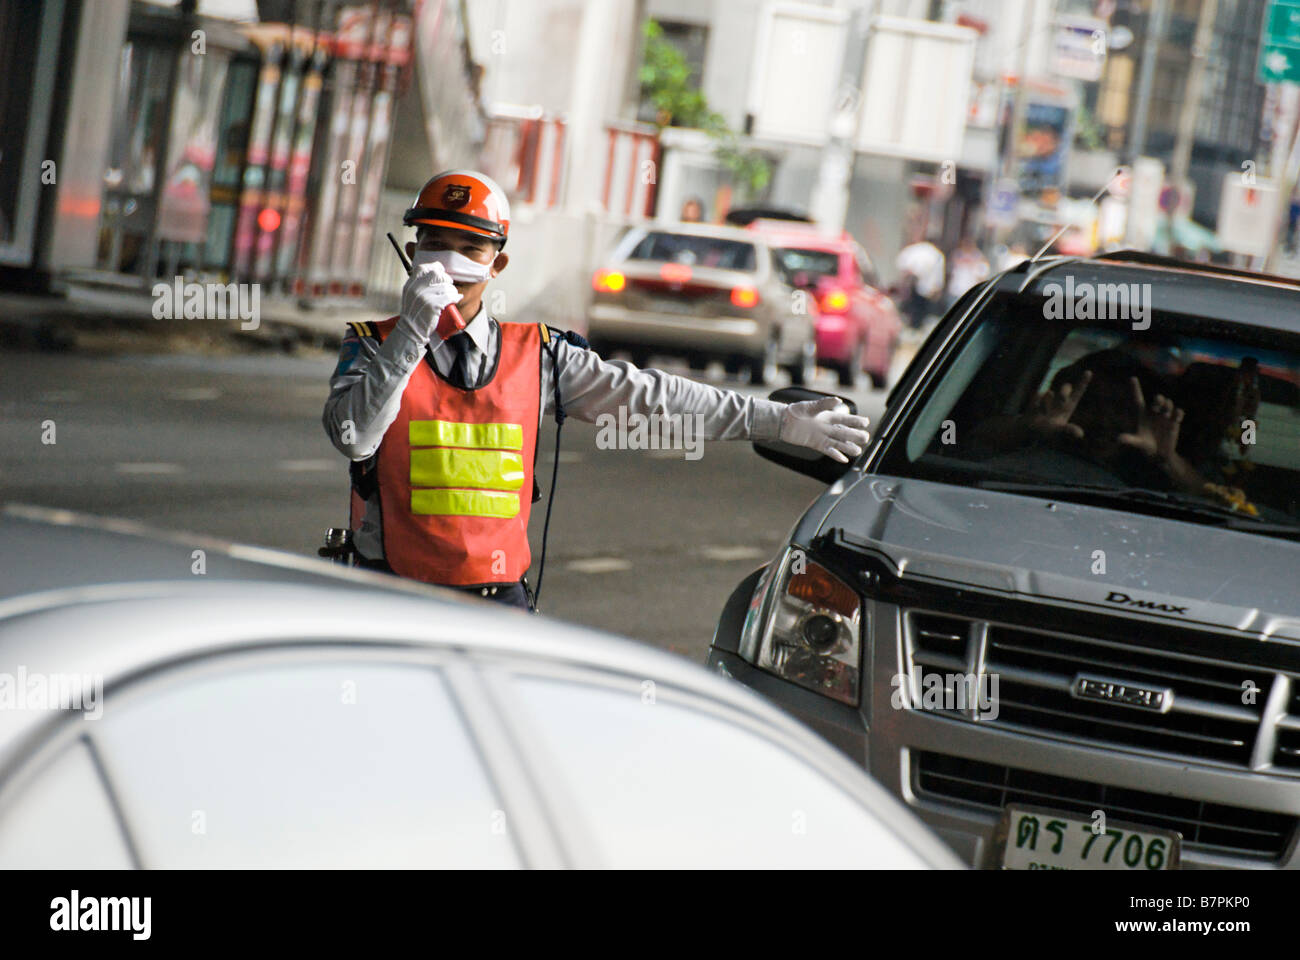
[(461, 375)]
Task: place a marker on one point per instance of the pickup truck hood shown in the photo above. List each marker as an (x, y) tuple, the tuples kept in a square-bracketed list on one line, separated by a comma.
[(1046, 550)]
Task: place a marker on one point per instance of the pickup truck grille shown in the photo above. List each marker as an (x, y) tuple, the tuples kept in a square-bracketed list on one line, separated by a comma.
[(1286, 755), (1214, 828), (1106, 691)]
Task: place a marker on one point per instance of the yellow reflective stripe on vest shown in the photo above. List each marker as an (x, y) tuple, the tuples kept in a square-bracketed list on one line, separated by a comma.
[(465, 503), (480, 436), (475, 468), (486, 469)]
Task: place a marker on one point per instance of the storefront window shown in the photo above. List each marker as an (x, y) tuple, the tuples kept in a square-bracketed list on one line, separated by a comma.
[(144, 71)]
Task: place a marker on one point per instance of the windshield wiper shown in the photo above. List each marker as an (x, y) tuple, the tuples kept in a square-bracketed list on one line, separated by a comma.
[(1174, 503)]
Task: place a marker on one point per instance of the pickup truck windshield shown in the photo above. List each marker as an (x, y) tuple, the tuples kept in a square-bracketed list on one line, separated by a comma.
[(1203, 412)]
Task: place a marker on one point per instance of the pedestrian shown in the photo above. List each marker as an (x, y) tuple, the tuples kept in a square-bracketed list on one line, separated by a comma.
[(441, 423), (968, 267), (921, 269), (692, 210)]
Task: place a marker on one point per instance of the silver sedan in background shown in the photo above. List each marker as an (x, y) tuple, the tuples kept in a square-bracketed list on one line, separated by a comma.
[(703, 293)]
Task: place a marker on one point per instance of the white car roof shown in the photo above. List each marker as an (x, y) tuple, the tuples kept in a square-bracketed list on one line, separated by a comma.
[(205, 683)]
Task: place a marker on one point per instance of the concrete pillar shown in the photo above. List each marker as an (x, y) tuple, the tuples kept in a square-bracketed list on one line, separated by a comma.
[(83, 156), (605, 46)]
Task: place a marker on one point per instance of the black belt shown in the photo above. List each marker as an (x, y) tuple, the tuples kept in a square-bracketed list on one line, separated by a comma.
[(516, 594)]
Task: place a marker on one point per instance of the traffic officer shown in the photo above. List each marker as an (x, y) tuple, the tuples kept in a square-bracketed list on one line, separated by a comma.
[(441, 423)]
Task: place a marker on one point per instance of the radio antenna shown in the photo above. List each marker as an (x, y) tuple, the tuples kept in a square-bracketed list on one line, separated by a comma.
[(1119, 171)]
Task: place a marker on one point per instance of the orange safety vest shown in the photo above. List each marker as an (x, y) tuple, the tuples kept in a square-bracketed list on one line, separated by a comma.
[(455, 469)]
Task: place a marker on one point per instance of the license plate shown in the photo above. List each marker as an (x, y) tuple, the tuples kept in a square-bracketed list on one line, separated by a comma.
[(674, 305), (1039, 838)]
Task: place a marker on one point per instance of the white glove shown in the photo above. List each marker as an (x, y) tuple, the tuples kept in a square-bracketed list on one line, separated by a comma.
[(426, 294), (819, 425)]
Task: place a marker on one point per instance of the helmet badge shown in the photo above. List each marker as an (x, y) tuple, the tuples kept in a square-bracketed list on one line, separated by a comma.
[(456, 195)]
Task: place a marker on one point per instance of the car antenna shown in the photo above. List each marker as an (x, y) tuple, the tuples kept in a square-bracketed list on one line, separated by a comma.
[(1119, 171)]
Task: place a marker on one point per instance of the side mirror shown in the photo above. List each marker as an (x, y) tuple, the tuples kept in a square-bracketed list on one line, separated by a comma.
[(801, 459)]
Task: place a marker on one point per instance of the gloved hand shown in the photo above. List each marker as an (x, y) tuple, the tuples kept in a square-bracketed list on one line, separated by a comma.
[(817, 424), (426, 294)]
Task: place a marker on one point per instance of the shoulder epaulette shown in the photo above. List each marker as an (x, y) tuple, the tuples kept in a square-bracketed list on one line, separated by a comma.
[(364, 329), (568, 336)]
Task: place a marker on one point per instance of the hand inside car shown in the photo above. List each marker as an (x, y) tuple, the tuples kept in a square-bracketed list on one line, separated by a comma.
[(1052, 409), (817, 424), (1158, 425)]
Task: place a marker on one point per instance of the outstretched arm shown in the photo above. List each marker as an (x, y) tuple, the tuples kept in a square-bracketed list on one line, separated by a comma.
[(591, 387)]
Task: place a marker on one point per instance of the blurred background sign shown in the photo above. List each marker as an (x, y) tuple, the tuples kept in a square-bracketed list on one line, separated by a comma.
[(1247, 214), (1080, 48), (1279, 54), (1043, 143), (916, 85), (796, 71), (1003, 208)]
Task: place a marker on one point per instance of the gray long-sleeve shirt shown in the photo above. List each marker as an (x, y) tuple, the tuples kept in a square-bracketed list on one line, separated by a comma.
[(367, 385)]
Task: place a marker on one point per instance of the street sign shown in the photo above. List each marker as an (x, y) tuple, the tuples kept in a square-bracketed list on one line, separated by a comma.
[(1283, 25), (1279, 52), (1080, 47), (1003, 208)]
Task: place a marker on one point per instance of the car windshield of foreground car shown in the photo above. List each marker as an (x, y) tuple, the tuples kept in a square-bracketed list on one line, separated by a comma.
[(815, 263), (695, 251), (1194, 418)]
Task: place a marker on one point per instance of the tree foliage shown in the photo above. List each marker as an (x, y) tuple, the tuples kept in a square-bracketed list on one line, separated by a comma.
[(667, 82)]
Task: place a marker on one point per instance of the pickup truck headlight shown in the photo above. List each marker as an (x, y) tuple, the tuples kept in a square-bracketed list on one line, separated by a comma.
[(805, 625)]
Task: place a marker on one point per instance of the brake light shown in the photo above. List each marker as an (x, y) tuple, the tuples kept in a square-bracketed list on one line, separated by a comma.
[(835, 301), (675, 272), (608, 280), (744, 296)]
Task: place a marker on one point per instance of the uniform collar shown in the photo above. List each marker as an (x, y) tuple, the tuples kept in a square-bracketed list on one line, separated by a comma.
[(478, 329)]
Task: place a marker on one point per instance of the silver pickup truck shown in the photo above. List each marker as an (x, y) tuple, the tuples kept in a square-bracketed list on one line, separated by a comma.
[(1055, 605)]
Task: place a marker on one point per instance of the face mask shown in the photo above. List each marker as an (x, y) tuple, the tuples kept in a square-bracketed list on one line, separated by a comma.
[(459, 267)]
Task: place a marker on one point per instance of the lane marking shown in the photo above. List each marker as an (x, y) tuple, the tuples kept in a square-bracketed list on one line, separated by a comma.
[(731, 554), (665, 454), (599, 565), (141, 469), (304, 466)]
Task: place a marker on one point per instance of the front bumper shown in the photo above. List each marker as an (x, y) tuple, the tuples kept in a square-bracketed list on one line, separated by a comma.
[(892, 744), (840, 724)]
